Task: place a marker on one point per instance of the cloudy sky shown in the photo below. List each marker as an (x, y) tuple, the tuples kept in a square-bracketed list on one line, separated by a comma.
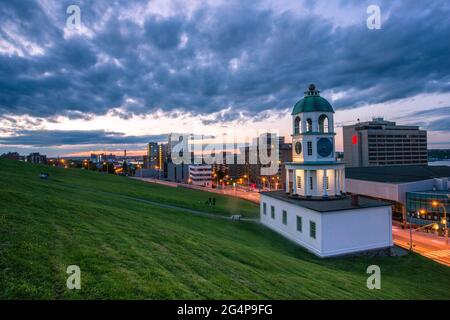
[(136, 70)]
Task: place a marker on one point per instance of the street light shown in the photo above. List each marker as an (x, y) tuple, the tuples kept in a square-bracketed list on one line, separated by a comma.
[(437, 204), (421, 211)]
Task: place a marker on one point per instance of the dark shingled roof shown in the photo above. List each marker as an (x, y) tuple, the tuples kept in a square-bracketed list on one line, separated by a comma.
[(397, 174), (327, 205)]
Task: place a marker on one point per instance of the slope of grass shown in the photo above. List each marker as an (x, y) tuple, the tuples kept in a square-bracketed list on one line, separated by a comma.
[(81, 180), (129, 249)]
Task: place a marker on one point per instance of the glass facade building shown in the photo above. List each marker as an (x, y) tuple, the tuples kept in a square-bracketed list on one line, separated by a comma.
[(418, 201)]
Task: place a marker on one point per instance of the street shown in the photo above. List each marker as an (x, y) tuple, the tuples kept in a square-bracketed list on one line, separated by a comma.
[(425, 244)]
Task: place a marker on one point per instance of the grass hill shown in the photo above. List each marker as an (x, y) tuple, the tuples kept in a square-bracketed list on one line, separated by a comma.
[(129, 246)]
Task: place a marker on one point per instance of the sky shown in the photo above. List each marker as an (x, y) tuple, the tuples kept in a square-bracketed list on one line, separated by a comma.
[(133, 71)]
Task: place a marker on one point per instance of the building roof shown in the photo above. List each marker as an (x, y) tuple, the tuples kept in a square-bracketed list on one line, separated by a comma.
[(327, 205), (398, 174), (312, 102)]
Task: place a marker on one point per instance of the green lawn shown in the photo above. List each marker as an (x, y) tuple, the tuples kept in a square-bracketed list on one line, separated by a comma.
[(130, 249)]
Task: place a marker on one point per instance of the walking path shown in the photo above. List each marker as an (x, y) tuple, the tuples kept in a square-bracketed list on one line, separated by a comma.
[(169, 206)]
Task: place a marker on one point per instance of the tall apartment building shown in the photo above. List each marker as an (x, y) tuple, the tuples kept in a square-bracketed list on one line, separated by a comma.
[(380, 143), (152, 155)]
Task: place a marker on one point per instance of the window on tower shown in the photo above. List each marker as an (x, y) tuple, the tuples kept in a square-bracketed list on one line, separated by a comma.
[(299, 182), (297, 125), (309, 148), (324, 123), (309, 125)]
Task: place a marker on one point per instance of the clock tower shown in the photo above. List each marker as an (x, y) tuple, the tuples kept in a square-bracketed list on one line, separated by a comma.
[(314, 172)]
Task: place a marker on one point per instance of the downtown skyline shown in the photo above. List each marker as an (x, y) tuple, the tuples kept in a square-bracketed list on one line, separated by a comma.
[(136, 71)]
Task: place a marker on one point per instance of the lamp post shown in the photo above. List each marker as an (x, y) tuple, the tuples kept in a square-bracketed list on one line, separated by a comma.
[(437, 204), (421, 211)]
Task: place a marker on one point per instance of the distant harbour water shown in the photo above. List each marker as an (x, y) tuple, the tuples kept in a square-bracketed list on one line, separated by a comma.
[(439, 163)]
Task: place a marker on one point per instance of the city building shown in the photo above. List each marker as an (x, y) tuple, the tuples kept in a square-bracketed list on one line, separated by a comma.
[(200, 175), (313, 210), (407, 188), (380, 143), (422, 210), (152, 155), (93, 158), (178, 172), (162, 159), (36, 157)]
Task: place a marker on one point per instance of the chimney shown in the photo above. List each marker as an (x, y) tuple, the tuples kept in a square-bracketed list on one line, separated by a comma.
[(355, 200)]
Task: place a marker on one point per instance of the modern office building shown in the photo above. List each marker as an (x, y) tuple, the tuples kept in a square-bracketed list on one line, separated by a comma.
[(200, 175), (380, 143), (408, 188), (313, 210)]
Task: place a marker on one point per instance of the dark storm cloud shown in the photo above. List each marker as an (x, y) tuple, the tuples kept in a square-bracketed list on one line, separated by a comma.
[(237, 55), (45, 138), (433, 119)]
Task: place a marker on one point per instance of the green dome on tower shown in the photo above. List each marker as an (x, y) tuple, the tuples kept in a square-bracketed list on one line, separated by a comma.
[(312, 102)]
